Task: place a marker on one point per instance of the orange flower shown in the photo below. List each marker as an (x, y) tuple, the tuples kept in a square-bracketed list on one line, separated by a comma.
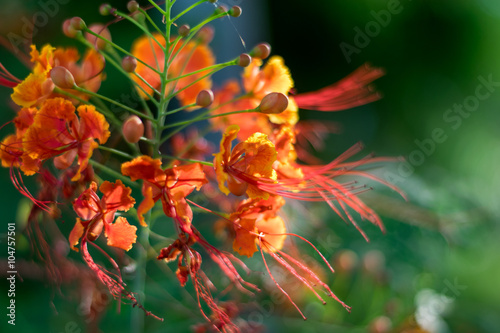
[(225, 101), (284, 140), (96, 214), (57, 131), (257, 82), (258, 227), (39, 86), (246, 166), (11, 148), (171, 186), (183, 60), (256, 219), (273, 77)]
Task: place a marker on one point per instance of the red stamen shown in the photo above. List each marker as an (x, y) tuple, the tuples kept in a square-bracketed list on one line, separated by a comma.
[(276, 282), (349, 92)]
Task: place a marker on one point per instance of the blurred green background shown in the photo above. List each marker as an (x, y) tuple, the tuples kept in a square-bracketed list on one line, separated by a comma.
[(437, 264)]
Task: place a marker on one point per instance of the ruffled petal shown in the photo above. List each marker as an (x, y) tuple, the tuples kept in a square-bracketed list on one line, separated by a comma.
[(28, 92), (120, 234), (185, 179), (93, 124), (142, 167), (116, 196), (222, 157), (245, 241)]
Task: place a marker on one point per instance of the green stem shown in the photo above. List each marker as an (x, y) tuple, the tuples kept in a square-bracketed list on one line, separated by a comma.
[(151, 21), (120, 69), (137, 324), (119, 48), (116, 152), (149, 85), (188, 122), (180, 109), (158, 7), (216, 67), (188, 9), (129, 109), (187, 160), (114, 173), (140, 26)]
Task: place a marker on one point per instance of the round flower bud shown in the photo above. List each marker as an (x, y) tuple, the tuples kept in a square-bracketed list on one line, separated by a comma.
[(205, 98), (235, 11), (206, 34), (244, 60), (380, 324), (374, 262), (129, 64), (261, 51), (220, 10), (62, 77), (184, 30), (105, 9), (77, 23), (346, 260), (68, 29), (102, 31), (138, 16), (235, 186), (132, 6), (273, 103), (133, 129), (95, 230)]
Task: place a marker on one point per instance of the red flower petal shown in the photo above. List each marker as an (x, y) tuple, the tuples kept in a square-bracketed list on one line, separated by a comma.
[(120, 234)]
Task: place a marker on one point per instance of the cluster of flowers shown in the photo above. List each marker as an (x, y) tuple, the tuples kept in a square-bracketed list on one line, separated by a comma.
[(65, 128)]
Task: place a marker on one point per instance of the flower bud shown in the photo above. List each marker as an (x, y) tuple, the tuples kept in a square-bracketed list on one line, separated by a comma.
[(62, 77), (346, 260), (273, 103), (205, 98), (95, 230), (129, 64), (235, 186), (138, 16), (206, 34), (77, 23), (220, 10), (244, 60), (105, 9), (381, 324), (212, 1), (102, 31), (68, 29), (184, 30), (132, 6), (261, 51), (235, 11), (374, 262), (133, 129)]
